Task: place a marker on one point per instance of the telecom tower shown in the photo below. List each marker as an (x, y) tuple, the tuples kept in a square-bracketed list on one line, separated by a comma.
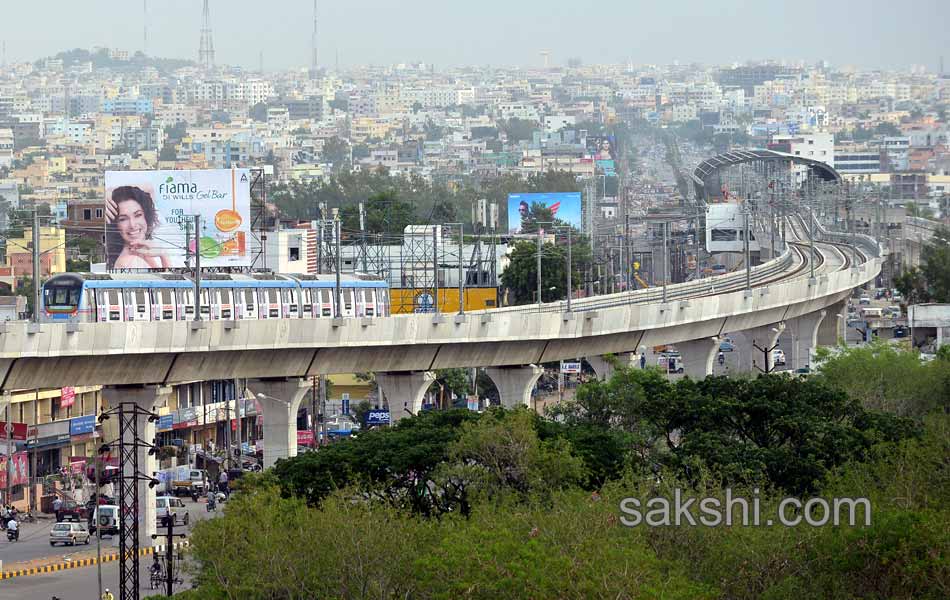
[(145, 29), (313, 44), (206, 49)]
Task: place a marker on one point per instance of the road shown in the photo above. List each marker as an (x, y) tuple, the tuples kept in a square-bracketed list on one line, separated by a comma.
[(34, 540), (74, 584)]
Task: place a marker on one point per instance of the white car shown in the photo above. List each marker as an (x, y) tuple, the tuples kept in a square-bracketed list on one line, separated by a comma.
[(778, 357), (69, 534), (170, 505), (106, 519)]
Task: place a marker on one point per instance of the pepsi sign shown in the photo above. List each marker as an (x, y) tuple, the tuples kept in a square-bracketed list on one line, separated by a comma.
[(377, 417)]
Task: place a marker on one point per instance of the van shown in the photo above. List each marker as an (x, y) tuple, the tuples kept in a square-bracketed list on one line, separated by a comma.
[(170, 506), (663, 361), (105, 519)]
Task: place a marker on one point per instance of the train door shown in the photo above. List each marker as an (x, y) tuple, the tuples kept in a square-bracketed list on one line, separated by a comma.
[(87, 311), (382, 302), (291, 302), (326, 303), (226, 303), (270, 303), (186, 303), (163, 304), (114, 304), (102, 305), (205, 307), (307, 304), (348, 308), (369, 302), (359, 305), (137, 305), (247, 300)]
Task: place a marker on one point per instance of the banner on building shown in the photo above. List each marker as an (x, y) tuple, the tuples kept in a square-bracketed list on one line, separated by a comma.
[(16, 431), (21, 470), (82, 425), (150, 217), (305, 437), (67, 397)]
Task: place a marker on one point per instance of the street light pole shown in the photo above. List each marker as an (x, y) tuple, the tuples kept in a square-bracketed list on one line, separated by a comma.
[(197, 267), (539, 267), (747, 252), (37, 275), (570, 263)]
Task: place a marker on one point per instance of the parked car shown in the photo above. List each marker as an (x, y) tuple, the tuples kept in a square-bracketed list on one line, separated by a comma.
[(172, 506), (778, 357), (105, 519), (726, 345), (69, 534), (864, 300)]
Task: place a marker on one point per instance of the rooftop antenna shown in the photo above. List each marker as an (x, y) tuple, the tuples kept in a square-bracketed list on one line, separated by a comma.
[(206, 48), (313, 44)]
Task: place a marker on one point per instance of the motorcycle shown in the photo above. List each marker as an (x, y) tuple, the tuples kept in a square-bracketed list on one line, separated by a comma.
[(13, 535)]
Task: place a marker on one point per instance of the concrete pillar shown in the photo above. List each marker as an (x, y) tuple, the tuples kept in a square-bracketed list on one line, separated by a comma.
[(515, 383), (404, 391), (147, 397), (605, 369), (804, 332), (698, 356), (831, 330), (279, 403), (754, 359)]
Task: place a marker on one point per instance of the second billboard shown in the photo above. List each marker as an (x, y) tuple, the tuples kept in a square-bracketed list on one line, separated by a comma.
[(149, 217), (564, 206)]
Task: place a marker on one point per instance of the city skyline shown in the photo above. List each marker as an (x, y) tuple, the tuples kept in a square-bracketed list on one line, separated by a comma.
[(500, 34)]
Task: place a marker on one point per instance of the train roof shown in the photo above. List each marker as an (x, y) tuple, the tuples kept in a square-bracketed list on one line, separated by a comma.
[(212, 280)]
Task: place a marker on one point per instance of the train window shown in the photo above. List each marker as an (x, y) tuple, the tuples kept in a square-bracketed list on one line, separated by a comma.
[(61, 298), (113, 297), (348, 300), (370, 302), (272, 296), (166, 296), (249, 299), (140, 301), (326, 309)]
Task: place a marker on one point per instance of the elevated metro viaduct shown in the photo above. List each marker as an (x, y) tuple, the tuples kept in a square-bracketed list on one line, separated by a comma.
[(138, 361)]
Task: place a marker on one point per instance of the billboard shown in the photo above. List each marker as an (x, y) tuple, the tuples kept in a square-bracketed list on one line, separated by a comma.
[(20, 469), (377, 417), (149, 215), (601, 147), (565, 206), (82, 425)]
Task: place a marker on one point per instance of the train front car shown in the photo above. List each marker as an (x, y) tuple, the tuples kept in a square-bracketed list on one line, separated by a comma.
[(63, 299)]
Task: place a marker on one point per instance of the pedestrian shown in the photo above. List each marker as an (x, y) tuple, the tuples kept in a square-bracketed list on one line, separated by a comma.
[(643, 360), (223, 482), (107, 595), (722, 358), (58, 509)]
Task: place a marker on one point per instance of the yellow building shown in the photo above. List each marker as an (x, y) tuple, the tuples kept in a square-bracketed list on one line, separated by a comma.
[(19, 252)]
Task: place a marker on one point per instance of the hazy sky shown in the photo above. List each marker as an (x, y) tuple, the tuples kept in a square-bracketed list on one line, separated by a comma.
[(868, 33)]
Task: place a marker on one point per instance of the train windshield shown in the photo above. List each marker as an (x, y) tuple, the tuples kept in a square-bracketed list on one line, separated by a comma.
[(62, 297)]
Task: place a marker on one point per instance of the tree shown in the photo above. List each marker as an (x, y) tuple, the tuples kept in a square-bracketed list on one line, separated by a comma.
[(258, 112), (454, 381), (520, 277), (931, 281), (501, 451), (337, 153), (883, 377), (518, 130)]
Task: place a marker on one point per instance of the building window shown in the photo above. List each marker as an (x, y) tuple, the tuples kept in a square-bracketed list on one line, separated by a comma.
[(98, 213), (294, 254), (86, 214)]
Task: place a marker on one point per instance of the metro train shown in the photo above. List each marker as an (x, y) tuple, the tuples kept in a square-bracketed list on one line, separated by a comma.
[(109, 297)]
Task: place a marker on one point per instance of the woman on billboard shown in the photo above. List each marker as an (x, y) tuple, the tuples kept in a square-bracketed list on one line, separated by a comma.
[(131, 222)]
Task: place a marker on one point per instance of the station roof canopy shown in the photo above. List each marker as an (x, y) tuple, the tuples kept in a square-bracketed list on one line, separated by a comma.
[(709, 167)]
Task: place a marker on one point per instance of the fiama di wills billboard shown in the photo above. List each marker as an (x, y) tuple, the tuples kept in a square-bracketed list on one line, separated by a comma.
[(150, 218), (565, 206)]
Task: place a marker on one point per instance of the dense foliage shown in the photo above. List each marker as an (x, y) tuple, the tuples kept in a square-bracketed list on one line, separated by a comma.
[(930, 282), (508, 504)]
